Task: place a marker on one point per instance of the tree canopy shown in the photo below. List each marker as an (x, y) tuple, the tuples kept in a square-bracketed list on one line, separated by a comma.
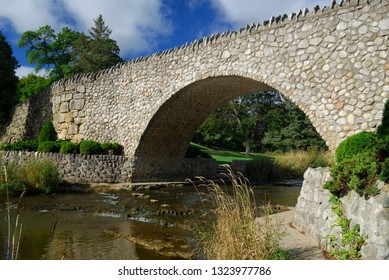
[(262, 121), (98, 51), (49, 50), (69, 52), (8, 78)]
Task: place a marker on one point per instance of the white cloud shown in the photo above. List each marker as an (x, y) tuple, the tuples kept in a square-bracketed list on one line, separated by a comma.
[(23, 71), (242, 12), (136, 24), (25, 15)]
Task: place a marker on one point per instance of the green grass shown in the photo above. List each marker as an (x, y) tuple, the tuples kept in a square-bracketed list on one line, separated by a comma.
[(224, 156), (274, 166)]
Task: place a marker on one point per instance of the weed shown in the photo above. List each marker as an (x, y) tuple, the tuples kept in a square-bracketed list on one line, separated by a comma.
[(349, 246), (234, 232)]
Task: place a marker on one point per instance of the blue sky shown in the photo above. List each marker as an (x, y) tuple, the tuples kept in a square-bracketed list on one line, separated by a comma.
[(140, 27)]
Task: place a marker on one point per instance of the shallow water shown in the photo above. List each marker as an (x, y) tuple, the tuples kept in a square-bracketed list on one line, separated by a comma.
[(149, 224)]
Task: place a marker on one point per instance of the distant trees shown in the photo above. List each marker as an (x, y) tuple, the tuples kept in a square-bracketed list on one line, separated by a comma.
[(8, 79), (68, 52), (260, 121), (98, 51), (31, 85), (51, 51)]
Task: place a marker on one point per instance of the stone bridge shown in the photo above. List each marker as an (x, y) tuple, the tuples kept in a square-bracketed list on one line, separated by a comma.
[(332, 62)]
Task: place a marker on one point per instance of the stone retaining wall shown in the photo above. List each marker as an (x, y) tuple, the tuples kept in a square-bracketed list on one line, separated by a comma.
[(314, 216), (115, 169), (79, 168)]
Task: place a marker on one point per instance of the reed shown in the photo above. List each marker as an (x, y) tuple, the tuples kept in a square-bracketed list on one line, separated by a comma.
[(14, 227), (234, 233)]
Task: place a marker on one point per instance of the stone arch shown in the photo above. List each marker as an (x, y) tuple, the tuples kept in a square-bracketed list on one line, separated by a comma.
[(171, 128)]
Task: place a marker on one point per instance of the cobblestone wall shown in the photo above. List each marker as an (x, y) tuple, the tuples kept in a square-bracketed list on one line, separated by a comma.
[(115, 169), (314, 216)]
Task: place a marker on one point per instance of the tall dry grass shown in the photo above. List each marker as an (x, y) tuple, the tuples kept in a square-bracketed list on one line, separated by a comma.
[(292, 164), (295, 163), (14, 227), (234, 233)]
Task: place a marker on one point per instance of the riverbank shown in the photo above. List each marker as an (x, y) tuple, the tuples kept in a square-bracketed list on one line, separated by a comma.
[(299, 245)]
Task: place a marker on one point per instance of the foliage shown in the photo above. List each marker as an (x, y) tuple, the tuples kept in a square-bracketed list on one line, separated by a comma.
[(68, 147), (358, 173), (47, 132), (90, 147), (234, 233), (49, 50), (288, 128), (355, 144), (383, 129), (259, 121), (8, 79), (195, 152), (361, 160), (31, 85), (23, 145), (384, 175), (49, 147), (112, 148), (351, 242), (98, 51), (35, 176)]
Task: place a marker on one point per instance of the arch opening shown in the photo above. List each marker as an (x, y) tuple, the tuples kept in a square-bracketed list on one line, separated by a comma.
[(162, 147)]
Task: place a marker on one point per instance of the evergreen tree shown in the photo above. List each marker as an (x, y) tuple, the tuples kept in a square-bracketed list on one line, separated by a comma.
[(8, 79), (98, 51)]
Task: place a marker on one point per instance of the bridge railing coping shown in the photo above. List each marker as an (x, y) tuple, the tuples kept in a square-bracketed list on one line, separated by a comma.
[(219, 37)]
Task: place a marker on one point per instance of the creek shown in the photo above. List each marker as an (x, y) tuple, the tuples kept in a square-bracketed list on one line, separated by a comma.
[(108, 224)]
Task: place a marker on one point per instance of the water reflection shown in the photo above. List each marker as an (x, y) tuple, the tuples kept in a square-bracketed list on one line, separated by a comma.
[(156, 224)]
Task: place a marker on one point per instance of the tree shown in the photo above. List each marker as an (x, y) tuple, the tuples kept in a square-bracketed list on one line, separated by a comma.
[(98, 51), (49, 50), (8, 79), (290, 129), (30, 85), (259, 121)]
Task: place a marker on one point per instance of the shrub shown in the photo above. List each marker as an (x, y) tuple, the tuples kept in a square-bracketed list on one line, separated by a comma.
[(358, 173), (47, 133), (195, 152), (383, 129), (90, 147), (49, 147), (68, 147), (36, 176), (355, 144), (24, 145), (384, 175), (112, 148)]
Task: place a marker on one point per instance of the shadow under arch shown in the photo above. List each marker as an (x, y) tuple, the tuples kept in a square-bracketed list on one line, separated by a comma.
[(161, 149)]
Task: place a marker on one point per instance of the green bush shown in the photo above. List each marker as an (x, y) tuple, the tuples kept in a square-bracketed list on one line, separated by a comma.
[(383, 129), (47, 133), (112, 148), (355, 144), (384, 175), (90, 147), (36, 176), (68, 147), (194, 152), (23, 145), (49, 147)]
